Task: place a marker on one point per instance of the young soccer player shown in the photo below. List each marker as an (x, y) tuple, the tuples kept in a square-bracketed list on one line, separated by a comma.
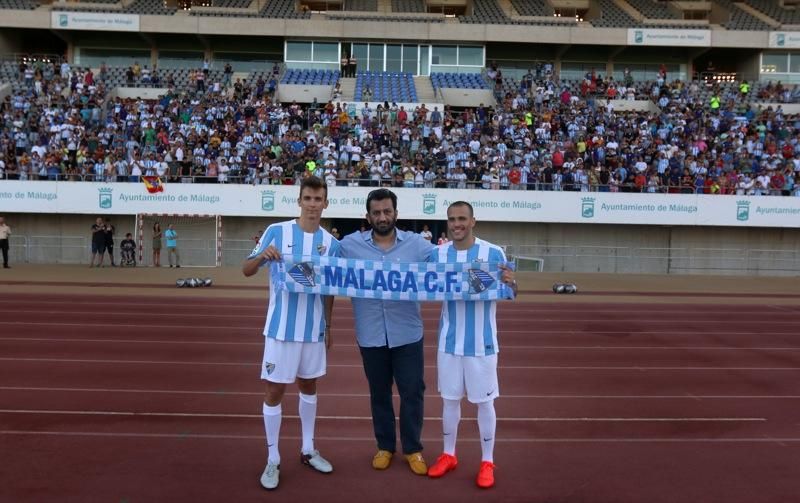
[(467, 356), (297, 329)]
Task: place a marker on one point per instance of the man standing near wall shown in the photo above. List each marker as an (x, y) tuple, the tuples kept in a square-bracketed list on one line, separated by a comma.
[(5, 234), (389, 335), (172, 246), (98, 242), (108, 234)]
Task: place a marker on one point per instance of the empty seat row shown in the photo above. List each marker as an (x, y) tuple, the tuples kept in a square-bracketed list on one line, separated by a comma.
[(458, 81), (310, 77)]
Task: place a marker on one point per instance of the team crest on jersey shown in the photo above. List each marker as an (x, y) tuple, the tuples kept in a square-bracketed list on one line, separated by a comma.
[(303, 274), (269, 367), (321, 249), (479, 280)]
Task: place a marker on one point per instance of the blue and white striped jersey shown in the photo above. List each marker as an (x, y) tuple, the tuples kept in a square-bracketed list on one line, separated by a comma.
[(295, 317), (469, 328)]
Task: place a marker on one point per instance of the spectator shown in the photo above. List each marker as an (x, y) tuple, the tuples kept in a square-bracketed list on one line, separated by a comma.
[(157, 234), (426, 233), (127, 249), (108, 234), (5, 234), (172, 245), (98, 243)]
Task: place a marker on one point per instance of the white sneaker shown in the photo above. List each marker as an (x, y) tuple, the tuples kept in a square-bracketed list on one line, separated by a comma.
[(271, 475), (317, 462)]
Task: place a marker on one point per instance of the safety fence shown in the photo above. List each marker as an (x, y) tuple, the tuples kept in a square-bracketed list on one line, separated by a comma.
[(41, 249), (238, 177), (649, 260), (56, 249)]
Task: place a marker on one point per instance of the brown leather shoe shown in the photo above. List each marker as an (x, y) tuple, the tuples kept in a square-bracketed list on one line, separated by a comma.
[(417, 463), (382, 460)]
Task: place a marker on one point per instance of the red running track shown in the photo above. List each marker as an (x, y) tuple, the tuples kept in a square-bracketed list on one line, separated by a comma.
[(157, 399)]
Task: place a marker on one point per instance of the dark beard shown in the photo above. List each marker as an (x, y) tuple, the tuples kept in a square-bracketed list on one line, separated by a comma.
[(384, 233)]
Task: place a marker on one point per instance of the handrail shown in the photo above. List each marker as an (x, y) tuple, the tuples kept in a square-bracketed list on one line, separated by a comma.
[(74, 249), (240, 179)]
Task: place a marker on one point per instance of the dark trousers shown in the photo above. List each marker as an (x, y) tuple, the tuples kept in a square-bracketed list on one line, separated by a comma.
[(4, 248), (403, 365)]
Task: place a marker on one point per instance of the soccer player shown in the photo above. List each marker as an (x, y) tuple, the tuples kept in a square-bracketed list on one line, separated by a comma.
[(467, 355), (297, 329)]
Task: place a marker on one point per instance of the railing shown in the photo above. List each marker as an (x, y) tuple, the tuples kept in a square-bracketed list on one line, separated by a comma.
[(18, 249), (53, 249), (57, 249), (18, 57), (617, 259), (237, 178)]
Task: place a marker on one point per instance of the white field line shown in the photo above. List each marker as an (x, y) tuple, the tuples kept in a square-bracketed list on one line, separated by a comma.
[(369, 418), (359, 366), (530, 440), (347, 319), (429, 346), (365, 395), (259, 328)]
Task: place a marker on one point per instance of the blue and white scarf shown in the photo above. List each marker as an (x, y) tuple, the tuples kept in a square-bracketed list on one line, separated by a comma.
[(371, 279)]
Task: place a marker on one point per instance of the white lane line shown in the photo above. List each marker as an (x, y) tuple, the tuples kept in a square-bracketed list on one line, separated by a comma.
[(530, 440), (348, 318), (260, 328), (365, 395), (428, 346), (93, 314), (369, 418), (359, 366), (519, 307), (127, 325)]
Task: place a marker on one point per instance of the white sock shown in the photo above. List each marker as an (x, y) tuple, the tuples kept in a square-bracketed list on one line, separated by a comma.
[(272, 425), (451, 415), (308, 417), (487, 424)]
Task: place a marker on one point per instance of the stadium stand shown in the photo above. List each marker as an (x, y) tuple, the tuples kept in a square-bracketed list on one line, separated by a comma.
[(18, 4), (385, 86), (532, 7), (458, 81), (282, 9), (310, 77), (652, 10), (365, 16), (490, 12), (361, 5), (702, 158), (408, 6), (144, 7), (611, 16), (775, 11), (741, 19), (232, 4)]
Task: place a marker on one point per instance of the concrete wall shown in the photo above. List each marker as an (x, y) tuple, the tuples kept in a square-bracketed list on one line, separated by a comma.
[(344, 29), (304, 94), (467, 97), (564, 247)]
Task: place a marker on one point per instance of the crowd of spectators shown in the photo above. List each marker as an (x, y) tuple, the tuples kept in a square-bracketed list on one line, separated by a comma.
[(542, 136)]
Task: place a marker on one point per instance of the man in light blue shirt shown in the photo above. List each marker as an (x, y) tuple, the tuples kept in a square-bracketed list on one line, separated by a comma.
[(172, 246), (389, 334)]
